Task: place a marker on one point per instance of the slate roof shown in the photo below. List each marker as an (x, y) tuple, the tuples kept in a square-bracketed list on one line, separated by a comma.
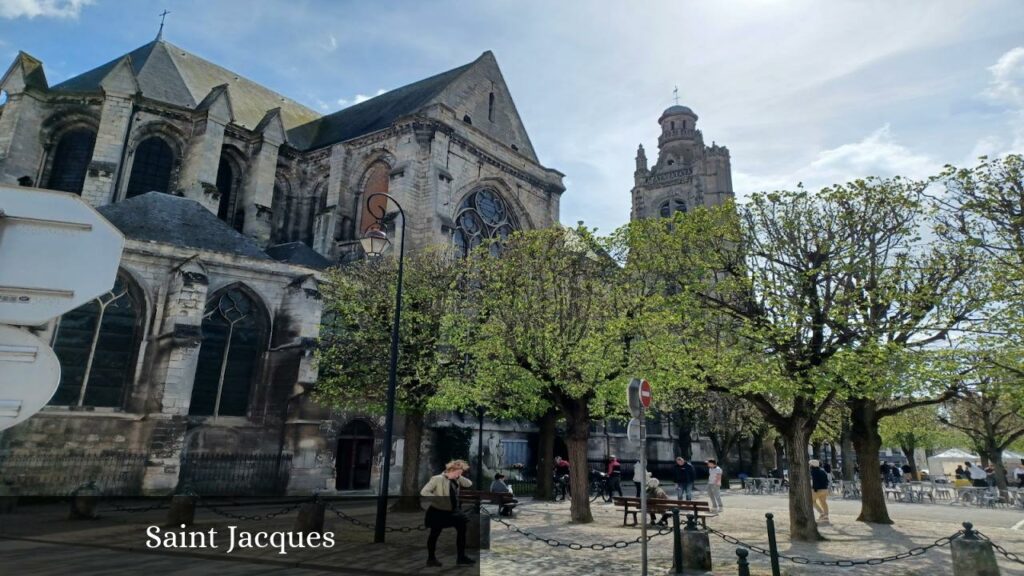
[(159, 217), (299, 254), (374, 114), (170, 74)]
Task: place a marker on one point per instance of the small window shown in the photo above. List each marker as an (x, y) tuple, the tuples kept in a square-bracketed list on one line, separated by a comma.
[(670, 206), (490, 108), (673, 125), (671, 162), (516, 148), (225, 181), (467, 119)]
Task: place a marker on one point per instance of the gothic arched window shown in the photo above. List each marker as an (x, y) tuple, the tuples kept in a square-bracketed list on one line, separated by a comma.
[(71, 160), (151, 168), (483, 215), (377, 181), (225, 181), (234, 338), (669, 207), (96, 345)]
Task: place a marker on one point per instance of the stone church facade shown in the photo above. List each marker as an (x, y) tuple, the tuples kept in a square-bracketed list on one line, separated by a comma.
[(233, 199)]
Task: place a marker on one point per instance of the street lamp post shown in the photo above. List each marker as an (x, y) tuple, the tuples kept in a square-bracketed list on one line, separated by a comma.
[(374, 242)]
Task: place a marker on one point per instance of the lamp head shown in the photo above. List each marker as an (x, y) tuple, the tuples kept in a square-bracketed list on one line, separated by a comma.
[(375, 242)]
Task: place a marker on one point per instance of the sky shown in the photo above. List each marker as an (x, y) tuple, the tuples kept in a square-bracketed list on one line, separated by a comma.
[(800, 91)]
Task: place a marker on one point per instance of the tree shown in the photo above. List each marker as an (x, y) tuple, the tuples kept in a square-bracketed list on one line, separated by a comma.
[(916, 428), (355, 343), (551, 308), (990, 412), (802, 281), (728, 421)]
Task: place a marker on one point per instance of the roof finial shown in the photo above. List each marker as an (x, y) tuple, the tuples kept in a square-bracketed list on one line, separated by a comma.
[(160, 33), (675, 93)]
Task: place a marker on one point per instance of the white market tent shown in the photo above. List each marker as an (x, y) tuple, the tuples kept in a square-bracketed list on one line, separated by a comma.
[(946, 462)]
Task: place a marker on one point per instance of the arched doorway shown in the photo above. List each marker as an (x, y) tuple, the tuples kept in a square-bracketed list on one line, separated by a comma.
[(355, 457)]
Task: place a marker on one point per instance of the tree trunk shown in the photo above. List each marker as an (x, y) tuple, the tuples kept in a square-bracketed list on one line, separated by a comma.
[(867, 442), (816, 450), (802, 526), (780, 447), (995, 455), (577, 424), (685, 435), (846, 447), (546, 456), (409, 501), (756, 451), (908, 451), (833, 458)]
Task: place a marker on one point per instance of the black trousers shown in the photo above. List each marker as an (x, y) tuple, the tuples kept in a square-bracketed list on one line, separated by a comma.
[(979, 483), (637, 484), (614, 485), (438, 520)]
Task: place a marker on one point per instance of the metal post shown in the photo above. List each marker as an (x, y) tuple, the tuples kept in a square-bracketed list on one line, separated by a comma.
[(677, 544), (389, 418), (773, 547), (643, 492), (744, 566), (480, 449)]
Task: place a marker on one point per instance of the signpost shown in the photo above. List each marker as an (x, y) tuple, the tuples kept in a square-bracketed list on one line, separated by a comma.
[(638, 395), (56, 253)]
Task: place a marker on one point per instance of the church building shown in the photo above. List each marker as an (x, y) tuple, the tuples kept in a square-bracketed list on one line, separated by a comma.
[(688, 173), (194, 369)]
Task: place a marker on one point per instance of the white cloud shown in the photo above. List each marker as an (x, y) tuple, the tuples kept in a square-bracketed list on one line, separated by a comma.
[(1007, 84), (331, 45), (359, 98), (42, 8), (877, 154)]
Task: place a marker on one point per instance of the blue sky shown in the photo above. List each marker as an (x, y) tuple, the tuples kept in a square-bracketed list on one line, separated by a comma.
[(800, 91)]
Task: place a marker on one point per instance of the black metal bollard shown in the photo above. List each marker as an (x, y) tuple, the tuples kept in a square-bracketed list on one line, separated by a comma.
[(773, 546), (677, 544), (741, 561), (182, 510)]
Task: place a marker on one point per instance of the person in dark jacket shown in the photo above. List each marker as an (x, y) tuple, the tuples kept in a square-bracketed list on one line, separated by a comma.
[(684, 476), (819, 487)]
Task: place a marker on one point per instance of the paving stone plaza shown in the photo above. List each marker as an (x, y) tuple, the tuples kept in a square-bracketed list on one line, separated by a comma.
[(34, 534)]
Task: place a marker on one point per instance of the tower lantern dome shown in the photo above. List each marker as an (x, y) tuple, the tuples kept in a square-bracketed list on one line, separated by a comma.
[(677, 123)]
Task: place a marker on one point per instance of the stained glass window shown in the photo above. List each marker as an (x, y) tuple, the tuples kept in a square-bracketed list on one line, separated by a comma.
[(234, 334), (151, 169), (71, 160), (483, 215), (96, 344)]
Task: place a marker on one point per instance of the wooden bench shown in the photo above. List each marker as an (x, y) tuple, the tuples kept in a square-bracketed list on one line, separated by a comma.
[(473, 498), (631, 505)]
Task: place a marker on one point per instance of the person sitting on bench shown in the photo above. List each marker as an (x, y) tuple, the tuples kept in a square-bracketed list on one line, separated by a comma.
[(499, 487), (655, 492)]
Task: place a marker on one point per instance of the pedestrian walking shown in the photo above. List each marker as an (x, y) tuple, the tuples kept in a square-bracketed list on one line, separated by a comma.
[(1018, 472), (715, 485), (684, 475), (819, 488), (614, 475), (638, 477), (444, 511)]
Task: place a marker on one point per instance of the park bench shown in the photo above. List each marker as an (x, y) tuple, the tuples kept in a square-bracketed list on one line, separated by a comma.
[(503, 500), (631, 505)]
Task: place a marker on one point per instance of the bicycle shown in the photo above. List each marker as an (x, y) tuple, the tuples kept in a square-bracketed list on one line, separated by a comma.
[(599, 486)]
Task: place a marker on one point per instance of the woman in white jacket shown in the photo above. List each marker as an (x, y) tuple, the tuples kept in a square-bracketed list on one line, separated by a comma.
[(442, 495), (638, 477)]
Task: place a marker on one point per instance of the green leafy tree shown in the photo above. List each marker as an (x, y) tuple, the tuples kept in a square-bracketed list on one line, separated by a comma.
[(915, 428), (811, 288), (355, 343), (550, 313), (990, 412)]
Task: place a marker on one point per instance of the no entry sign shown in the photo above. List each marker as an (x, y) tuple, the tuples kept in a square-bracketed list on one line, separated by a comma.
[(645, 393)]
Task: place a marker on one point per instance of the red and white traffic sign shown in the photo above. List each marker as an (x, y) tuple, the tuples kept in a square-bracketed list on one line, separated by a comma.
[(57, 253), (645, 393)]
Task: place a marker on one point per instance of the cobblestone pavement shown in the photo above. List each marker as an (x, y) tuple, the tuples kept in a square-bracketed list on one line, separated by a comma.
[(916, 525), (41, 541)]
